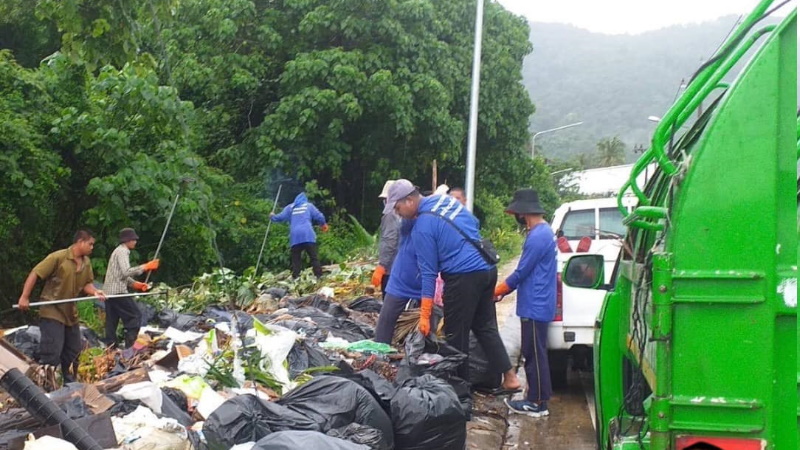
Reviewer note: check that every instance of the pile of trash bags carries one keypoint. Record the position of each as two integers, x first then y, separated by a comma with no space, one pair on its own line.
305,375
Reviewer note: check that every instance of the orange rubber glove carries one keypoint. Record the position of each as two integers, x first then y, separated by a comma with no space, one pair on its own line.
324,228
501,290
425,310
139,286
377,275
151,265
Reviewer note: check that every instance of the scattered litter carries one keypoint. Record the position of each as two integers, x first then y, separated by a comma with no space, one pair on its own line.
48,443
284,372
181,337
327,292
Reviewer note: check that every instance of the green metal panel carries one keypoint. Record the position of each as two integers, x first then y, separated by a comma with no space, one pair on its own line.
703,304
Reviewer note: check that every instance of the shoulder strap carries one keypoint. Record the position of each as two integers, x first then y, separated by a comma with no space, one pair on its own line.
460,231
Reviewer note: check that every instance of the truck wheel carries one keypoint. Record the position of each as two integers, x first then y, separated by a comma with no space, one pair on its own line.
559,361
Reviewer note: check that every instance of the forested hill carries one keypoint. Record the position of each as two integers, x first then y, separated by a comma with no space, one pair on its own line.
610,82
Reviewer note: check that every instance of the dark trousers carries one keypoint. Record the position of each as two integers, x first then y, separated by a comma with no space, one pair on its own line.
384,283
297,258
60,344
390,312
469,305
537,367
126,310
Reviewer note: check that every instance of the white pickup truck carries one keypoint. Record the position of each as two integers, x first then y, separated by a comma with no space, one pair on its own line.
587,226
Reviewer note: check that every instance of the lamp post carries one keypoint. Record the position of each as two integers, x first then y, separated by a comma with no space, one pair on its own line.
469,184
533,141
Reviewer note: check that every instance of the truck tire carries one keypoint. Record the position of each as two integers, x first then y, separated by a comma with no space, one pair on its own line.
559,361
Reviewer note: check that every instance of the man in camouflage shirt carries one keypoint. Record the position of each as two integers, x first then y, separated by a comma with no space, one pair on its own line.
66,274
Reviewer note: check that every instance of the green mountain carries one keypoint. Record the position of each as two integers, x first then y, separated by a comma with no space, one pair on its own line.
610,82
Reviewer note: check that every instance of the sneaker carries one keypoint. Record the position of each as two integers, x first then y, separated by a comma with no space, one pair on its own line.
527,408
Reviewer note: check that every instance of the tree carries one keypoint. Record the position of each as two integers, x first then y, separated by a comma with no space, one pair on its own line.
610,152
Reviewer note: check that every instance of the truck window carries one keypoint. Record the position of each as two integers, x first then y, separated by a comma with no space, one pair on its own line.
611,221
579,223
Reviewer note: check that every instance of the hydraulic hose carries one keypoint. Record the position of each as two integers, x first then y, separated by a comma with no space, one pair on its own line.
41,407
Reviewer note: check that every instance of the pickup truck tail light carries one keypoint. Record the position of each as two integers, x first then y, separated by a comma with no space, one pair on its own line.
710,443
563,245
559,300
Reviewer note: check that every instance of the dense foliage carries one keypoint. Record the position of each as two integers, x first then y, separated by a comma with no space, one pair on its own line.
111,109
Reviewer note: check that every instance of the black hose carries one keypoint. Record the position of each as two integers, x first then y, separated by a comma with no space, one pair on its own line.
41,407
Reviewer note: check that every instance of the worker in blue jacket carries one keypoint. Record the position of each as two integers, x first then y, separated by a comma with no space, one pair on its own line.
469,280
404,285
302,216
535,283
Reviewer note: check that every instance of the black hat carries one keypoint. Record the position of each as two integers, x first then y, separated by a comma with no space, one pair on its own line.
525,201
127,234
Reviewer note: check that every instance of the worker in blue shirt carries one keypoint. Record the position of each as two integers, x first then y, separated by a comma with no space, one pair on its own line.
301,216
535,283
404,285
440,245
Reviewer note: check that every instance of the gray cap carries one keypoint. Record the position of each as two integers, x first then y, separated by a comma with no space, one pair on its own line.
399,190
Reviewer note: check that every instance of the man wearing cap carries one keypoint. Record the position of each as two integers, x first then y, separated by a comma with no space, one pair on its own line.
118,279
388,245
469,279
66,273
535,282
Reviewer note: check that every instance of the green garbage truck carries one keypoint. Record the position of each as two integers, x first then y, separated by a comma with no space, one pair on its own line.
696,342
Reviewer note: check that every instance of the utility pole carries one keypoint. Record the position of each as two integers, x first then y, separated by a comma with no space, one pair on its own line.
469,185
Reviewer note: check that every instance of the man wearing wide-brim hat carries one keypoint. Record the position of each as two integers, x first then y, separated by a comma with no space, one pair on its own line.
535,283
118,279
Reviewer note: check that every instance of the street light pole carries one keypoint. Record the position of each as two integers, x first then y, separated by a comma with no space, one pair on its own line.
469,185
533,141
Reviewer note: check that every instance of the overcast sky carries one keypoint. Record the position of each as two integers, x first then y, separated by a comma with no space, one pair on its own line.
626,16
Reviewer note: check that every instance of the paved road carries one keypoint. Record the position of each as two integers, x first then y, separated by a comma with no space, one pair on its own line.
569,426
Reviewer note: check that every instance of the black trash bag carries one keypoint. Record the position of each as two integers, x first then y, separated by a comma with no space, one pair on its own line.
366,304
302,356
196,440
419,354
75,408
276,292
174,411
178,397
26,341
70,399
148,313
122,407
247,418
426,414
360,434
481,376
166,318
244,321
183,322
334,402
306,440
327,323
302,326
380,388
90,339
321,303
